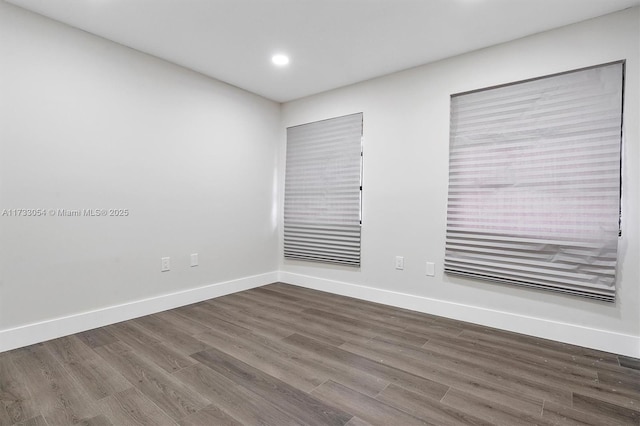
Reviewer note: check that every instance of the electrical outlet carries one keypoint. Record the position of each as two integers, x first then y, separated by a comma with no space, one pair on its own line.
194,259
166,264
399,262
431,269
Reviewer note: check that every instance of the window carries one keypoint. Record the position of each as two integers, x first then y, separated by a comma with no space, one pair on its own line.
534,182
322,196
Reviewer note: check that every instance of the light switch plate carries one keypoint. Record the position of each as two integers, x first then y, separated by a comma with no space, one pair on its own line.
399,262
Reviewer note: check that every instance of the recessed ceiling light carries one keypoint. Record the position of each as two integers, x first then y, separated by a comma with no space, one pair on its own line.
280,60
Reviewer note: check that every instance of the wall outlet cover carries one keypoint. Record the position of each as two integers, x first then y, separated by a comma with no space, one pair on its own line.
431,269
166,264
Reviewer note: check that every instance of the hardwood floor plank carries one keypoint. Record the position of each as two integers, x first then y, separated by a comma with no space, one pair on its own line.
562,415
312,325
390,332
96,337
623,415
304,303
165,330
317,299
404,337
618,395
4,416
558,377
527,360
210,415
275,363
208,315
59,399
96,378
346,332
535,342
287,322
357,324
425,326
131,407
70,350
425,408
185,324
307,294
99,420
16,403
34,421
7,397
491,411
555,373
476,366
434,330
188,308
364,407
319,326
417,362
389,313
168,393
240,403
267,293
400,377
284,361
245,301
149,346
269,300
621,379
357,421
295,402
628,362
254,299
553,350
25,350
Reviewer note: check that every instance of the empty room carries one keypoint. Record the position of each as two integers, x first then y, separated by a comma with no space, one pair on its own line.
319,212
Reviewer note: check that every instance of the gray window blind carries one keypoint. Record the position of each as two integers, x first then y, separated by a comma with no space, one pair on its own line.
534,182
322,191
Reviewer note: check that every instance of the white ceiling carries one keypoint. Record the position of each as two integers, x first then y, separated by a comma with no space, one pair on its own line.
331,43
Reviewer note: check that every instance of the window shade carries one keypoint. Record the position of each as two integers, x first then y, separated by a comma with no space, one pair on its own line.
322,191
534,182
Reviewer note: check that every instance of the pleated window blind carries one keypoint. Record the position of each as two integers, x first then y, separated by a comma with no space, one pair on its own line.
322,214
534,182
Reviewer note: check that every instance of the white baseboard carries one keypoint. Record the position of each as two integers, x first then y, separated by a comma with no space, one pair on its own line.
50,329
29,334
603,340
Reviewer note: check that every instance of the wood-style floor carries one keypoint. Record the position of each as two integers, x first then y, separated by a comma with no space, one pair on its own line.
284,355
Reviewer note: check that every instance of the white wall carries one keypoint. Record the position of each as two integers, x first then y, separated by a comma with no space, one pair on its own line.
406,119
86,123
